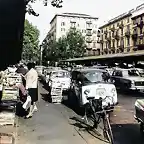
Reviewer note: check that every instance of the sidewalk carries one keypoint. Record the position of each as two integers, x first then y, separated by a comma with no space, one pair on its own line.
48,126
51,125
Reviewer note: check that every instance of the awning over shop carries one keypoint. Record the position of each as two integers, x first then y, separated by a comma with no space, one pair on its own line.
109,56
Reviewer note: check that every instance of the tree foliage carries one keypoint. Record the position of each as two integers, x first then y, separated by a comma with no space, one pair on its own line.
31,42
30,10
70,46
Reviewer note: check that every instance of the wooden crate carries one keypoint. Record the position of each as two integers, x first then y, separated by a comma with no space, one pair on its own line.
56,99
10,94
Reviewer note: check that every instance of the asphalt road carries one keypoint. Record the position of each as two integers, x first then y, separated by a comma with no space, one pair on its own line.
125,127
58,124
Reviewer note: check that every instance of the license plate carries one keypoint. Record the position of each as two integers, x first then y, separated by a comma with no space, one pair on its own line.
100,92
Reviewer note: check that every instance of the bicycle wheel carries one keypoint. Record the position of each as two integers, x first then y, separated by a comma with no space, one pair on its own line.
107,131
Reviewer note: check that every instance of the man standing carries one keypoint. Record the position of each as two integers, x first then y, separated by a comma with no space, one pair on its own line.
32,86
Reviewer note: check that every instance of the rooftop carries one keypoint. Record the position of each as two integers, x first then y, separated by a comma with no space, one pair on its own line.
79,15
121,16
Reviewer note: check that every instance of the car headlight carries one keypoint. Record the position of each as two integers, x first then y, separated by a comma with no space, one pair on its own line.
139,106
113,90
86,92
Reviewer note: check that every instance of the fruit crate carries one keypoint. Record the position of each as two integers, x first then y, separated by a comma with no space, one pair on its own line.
10,94
56,99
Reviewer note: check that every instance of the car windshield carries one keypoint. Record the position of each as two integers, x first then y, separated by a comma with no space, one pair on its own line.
61,74
133,73
93,76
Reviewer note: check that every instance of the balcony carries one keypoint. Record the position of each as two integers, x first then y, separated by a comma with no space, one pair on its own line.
127,33
106,50
117,37
113,49
101,41
105,32
89,27
121,48
108,38
121,25
89,48
89,33
112,29
98,34
88,40
135,48
140,23
98,41
134,34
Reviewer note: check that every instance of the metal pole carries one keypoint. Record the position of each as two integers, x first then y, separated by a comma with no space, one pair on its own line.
41,52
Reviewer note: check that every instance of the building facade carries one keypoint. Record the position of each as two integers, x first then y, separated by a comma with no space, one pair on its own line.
123,34
87,24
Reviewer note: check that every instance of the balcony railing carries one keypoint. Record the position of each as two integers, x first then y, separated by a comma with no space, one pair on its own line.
89,33
117,37
105,32
121,25
140,23
134,34
109,38
89,40
113,28
121,48
127,33
98,34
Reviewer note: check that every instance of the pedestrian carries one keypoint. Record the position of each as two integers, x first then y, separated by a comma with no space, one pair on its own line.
32,87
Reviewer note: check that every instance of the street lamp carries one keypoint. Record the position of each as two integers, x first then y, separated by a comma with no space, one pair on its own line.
41,53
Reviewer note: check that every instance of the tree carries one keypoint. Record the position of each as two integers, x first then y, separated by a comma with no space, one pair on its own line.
75,43
29,9
70,46
30,42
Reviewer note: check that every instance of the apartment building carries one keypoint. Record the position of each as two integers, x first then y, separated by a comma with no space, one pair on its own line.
61,23
124,33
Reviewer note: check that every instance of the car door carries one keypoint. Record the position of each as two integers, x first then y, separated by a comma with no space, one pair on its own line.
116,77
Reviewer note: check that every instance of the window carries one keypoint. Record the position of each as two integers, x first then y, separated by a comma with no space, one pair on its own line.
62,29
113,43
94,44
94,38
63,24
128,20
118,73
73,24
94,31
128,41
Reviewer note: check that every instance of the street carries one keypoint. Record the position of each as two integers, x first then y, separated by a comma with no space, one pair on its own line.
57,124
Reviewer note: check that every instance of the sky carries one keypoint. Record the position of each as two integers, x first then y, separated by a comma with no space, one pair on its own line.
103,9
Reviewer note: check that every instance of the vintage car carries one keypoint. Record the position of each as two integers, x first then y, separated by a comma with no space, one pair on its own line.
90,83
58,81
127,79
39,69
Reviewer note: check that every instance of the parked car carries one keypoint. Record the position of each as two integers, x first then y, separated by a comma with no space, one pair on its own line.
127,79
39,69
58,80
90,83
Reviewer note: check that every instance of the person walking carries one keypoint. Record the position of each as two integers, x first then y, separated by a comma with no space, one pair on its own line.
32,87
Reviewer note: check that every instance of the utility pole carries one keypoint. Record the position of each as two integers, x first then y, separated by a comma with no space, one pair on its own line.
41,53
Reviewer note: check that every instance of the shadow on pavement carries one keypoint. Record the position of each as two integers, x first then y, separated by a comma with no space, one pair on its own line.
131,93
72,103
127,134
83,126
46,97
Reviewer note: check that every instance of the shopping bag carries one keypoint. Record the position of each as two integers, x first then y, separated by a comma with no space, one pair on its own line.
27,104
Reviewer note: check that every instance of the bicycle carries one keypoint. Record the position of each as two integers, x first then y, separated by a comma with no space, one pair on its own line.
99,113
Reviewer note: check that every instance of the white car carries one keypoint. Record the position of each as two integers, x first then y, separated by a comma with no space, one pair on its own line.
90,83
58,81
